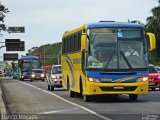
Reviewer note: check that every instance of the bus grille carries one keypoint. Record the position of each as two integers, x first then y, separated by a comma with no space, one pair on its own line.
124,89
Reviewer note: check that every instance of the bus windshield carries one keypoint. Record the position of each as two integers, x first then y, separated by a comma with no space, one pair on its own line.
117,48
31,64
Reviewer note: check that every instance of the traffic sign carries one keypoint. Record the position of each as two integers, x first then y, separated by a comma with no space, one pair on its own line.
12,42
10,56
16,29
19,48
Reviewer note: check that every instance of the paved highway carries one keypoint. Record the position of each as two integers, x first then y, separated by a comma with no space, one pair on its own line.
34,98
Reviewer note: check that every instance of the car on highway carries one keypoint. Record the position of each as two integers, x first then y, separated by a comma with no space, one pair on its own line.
154,77
54,78
7,74
158,68
15,74
37,74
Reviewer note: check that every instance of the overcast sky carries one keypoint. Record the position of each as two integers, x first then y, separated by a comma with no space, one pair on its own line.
45,21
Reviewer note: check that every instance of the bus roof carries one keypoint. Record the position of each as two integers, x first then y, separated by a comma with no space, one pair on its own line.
105,24
29,58
114,24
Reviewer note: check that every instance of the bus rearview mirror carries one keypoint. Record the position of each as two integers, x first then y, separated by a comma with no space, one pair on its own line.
84,42
152,41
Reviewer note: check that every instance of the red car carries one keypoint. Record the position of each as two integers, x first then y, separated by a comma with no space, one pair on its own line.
154,78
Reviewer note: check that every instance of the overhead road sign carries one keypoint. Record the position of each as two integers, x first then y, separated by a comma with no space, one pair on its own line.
16,29
12,42
19,48
10,56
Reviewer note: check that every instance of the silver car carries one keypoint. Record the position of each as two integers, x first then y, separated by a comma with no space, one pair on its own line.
37,74
54,78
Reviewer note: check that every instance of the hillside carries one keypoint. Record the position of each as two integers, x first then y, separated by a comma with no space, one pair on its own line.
49,53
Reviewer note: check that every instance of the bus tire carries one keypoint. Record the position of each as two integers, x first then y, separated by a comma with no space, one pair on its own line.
68,84
80,89
133,97
72,94
52,88
86,98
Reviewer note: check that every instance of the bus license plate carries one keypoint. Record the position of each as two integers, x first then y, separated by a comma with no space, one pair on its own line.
118,87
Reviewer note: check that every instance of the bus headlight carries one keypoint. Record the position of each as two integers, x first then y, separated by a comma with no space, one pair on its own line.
158,76
94,80
143,79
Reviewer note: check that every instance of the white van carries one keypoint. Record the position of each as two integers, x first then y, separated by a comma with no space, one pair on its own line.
54,79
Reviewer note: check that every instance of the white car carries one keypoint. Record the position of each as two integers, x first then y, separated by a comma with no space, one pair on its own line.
54,79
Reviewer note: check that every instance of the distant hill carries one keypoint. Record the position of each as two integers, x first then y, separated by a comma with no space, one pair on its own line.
49,53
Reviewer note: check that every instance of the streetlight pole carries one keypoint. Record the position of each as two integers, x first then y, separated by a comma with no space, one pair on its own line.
44,56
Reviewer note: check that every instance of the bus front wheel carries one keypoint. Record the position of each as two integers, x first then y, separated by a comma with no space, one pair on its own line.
72,94
133,97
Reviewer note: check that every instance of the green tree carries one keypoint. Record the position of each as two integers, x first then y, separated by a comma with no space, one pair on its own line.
153,25
49,53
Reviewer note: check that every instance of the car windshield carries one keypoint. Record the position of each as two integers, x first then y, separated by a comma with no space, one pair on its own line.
56,70
152,69
37,71
108,47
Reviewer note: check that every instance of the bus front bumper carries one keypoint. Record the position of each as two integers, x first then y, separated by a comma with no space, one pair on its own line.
116,88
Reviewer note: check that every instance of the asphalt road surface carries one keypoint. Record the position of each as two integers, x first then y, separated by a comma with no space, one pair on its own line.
33,98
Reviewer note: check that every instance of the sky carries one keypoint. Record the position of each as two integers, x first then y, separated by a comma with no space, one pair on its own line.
45,21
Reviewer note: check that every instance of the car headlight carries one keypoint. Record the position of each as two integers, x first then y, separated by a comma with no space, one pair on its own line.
94,80
53,76
33,75
142,79
42,75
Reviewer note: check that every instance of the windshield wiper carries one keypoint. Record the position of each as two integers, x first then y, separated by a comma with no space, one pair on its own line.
109,60
129,65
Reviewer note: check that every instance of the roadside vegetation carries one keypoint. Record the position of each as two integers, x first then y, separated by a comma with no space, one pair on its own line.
50,52
153,25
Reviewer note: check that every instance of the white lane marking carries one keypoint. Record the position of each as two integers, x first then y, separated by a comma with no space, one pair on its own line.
72,103
58,111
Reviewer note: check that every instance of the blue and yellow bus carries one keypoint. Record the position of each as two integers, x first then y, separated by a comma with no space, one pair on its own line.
94,59
26,64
